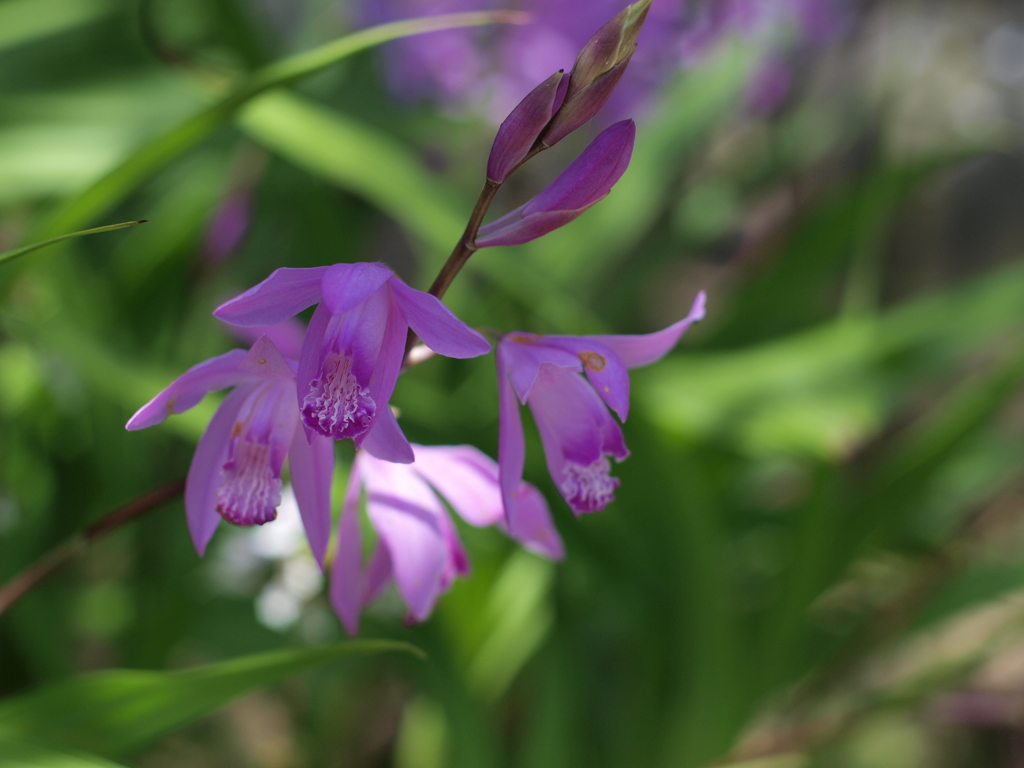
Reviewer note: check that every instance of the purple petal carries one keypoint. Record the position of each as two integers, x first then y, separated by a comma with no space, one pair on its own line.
188,389
466,477
525,352
511,442
265,361
287,336
406,515
577,432
284,294
458,561
533,527
590,176
515,229
309,358
378,573
390,440
204,474
346,572
603,367
435,324
346,285
642,350
386,441
312,469
519,132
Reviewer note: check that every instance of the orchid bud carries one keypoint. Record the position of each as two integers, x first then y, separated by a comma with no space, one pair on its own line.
588,179
519,132
598,69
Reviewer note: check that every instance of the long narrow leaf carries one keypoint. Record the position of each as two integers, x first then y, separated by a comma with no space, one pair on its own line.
15,253
161,150
21,755
112,713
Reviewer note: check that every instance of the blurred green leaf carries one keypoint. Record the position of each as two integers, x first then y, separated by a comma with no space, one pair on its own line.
115,712
358,159
26,249
15,754
22,21
160,151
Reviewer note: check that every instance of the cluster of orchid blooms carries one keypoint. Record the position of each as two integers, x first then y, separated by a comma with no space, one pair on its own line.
293,400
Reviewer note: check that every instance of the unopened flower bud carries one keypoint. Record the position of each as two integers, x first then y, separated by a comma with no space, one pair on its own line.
519,132
588,179
598,69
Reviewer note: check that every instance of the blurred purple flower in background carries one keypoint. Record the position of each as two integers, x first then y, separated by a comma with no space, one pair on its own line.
418,546
576,429
236,469
498,66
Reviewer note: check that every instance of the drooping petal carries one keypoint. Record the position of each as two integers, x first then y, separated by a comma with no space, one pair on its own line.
265,361
644,349
312,469
204,473
578,434
287,336
533,527
435,324
284,294
458,561
346,285
406,514
511,441
603,367
188,389
466,477
519,131
346,572
386,441
378,573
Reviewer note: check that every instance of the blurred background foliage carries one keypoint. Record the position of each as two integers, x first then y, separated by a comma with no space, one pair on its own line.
815,557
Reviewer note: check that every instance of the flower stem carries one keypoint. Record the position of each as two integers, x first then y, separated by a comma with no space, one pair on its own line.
21,584
466,246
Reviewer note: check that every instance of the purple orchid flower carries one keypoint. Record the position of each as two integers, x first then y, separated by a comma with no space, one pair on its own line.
576,429
353,350
236,469
583,184
418,546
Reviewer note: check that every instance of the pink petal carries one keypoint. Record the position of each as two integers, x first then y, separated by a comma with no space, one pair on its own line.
466,477
533,527
287,336
517,227
435,324
407,514
378,574
387,366
310,357
188,389
312,469
346,285
519,131
204,474
511,442
386,441
645,349
524,353
284,294
265,361
603,367
346,572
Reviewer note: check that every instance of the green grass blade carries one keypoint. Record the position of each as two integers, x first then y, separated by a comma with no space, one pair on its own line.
15,253
18,754
115,712
161,150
